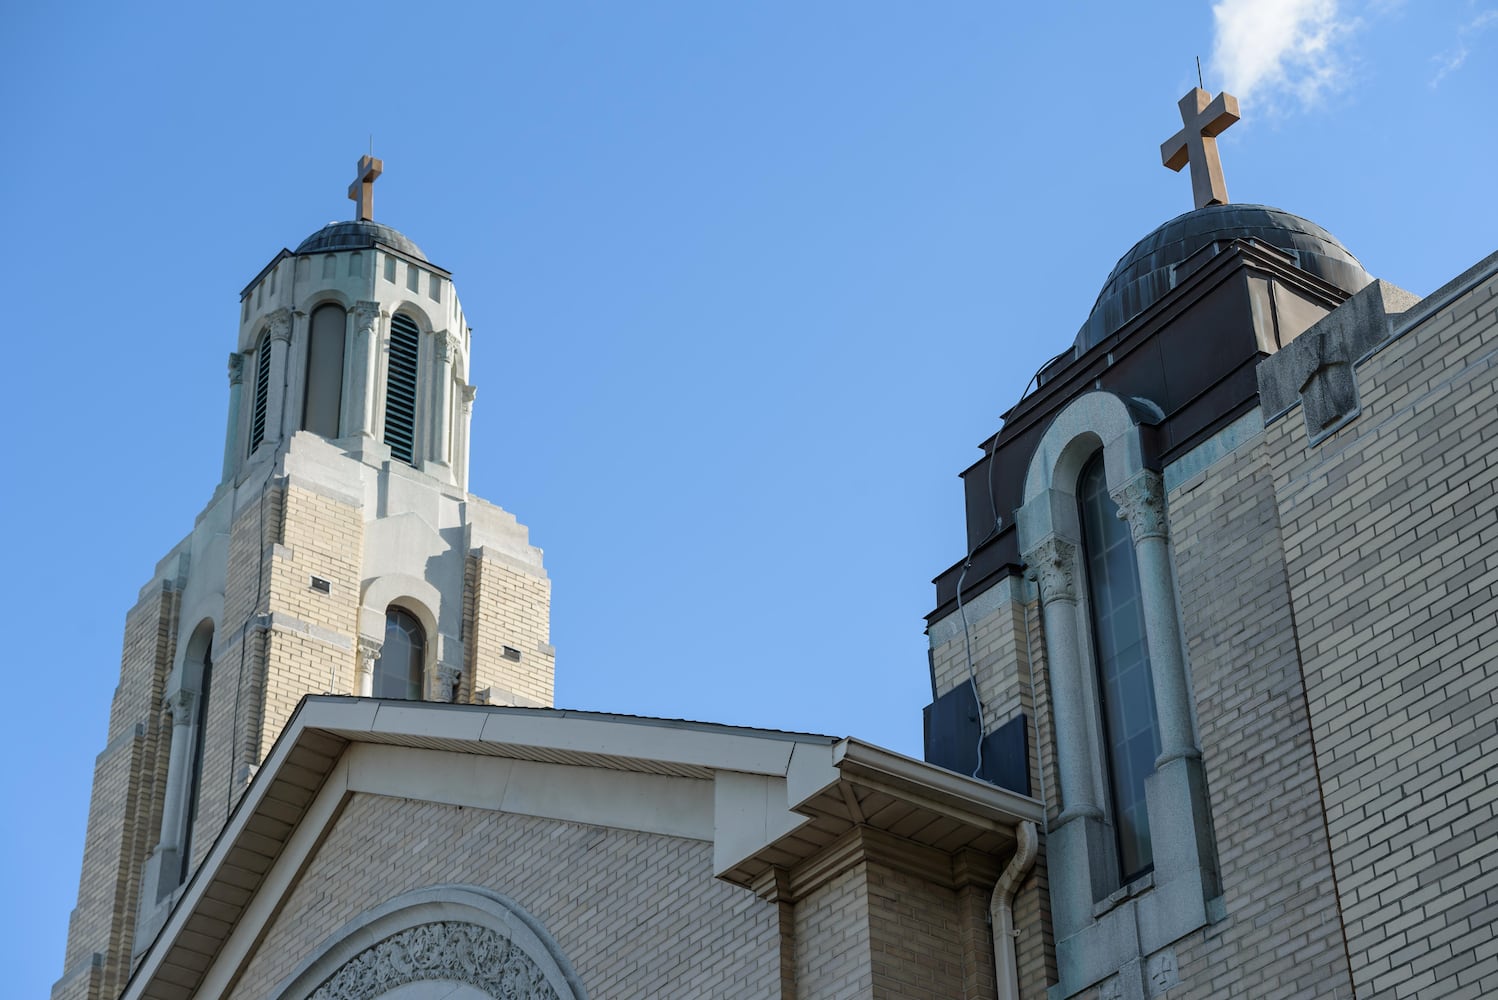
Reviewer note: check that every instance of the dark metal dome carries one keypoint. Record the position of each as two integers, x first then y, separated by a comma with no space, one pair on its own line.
1157,262
357,235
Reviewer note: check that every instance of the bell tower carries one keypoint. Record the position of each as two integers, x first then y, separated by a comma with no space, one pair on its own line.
340,553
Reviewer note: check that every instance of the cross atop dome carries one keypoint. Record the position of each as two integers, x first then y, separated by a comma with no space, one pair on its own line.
1204,119
362,190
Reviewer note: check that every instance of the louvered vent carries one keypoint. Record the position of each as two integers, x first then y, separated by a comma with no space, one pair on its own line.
262,393
400,390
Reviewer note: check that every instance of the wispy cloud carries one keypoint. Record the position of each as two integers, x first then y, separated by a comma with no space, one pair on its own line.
1451,60
1271,52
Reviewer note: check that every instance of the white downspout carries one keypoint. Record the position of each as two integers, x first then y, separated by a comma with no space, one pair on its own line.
1001,912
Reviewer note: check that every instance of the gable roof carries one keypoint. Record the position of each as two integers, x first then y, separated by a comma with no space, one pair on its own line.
793,797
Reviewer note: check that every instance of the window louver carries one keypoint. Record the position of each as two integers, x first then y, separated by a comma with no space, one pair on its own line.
262,393
400,390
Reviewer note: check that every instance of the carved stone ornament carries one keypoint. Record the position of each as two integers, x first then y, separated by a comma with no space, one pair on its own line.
450,951
1054,565
1162,972
236,369
1141,502
366,317
369,651
179,703
280,324
469,391
448,677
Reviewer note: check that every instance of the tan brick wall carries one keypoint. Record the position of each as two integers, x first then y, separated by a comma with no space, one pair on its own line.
125,809
637,915
1390,527
1281,935
507,606
916,935
833,953
1003,653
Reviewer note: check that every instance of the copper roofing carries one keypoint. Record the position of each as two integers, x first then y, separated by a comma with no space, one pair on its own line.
357,235
1157,263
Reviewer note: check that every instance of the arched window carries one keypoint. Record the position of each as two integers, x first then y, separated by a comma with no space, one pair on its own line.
1125,689
398,671
195,773
324,396
262,392
400,389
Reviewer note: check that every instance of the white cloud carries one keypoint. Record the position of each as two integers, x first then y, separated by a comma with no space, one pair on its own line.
1451,60
1271,51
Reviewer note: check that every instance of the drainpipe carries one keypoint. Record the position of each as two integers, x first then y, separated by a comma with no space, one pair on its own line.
1001,911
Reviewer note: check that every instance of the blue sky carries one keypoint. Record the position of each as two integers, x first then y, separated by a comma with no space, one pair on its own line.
749,284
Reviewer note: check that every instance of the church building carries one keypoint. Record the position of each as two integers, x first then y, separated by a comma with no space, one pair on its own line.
1212,696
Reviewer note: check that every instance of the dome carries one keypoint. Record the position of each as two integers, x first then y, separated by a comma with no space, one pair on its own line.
1154,266
358,235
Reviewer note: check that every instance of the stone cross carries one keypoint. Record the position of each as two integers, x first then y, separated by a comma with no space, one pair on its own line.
1204,119
362,190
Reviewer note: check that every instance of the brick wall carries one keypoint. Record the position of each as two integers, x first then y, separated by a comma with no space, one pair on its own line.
1281,931
1391,533
506,605
637,915
125,807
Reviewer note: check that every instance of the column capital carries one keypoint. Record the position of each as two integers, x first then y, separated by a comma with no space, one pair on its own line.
280,324
236,369
1053,563
448,676
1141,502
469,391
369,651
366,314
179,703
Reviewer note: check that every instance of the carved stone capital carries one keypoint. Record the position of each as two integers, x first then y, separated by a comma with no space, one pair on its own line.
236,369
1053,563
179,704
450,951
448,676
280,324
369,651
469,391
366,317
1141,502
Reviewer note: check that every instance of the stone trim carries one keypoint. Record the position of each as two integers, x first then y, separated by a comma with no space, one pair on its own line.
455,933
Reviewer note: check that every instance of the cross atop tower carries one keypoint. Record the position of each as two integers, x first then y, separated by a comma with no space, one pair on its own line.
362,190
1204,119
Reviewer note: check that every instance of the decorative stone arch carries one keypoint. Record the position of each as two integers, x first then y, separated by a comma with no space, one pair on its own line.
193,645
468,940
1091,911
424,601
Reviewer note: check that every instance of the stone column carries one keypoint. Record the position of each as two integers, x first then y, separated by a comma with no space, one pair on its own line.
443,346
1141,502
231,434
1054,562
174,807
1079,836
464,424
362,365
369,651
275,398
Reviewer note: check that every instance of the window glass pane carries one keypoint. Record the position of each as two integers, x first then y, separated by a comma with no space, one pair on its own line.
398,671
324,394
1128,701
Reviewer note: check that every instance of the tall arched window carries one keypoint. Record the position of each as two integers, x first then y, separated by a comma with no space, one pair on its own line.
195,773
324,396
262,392
1125,688
400,389
398,671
